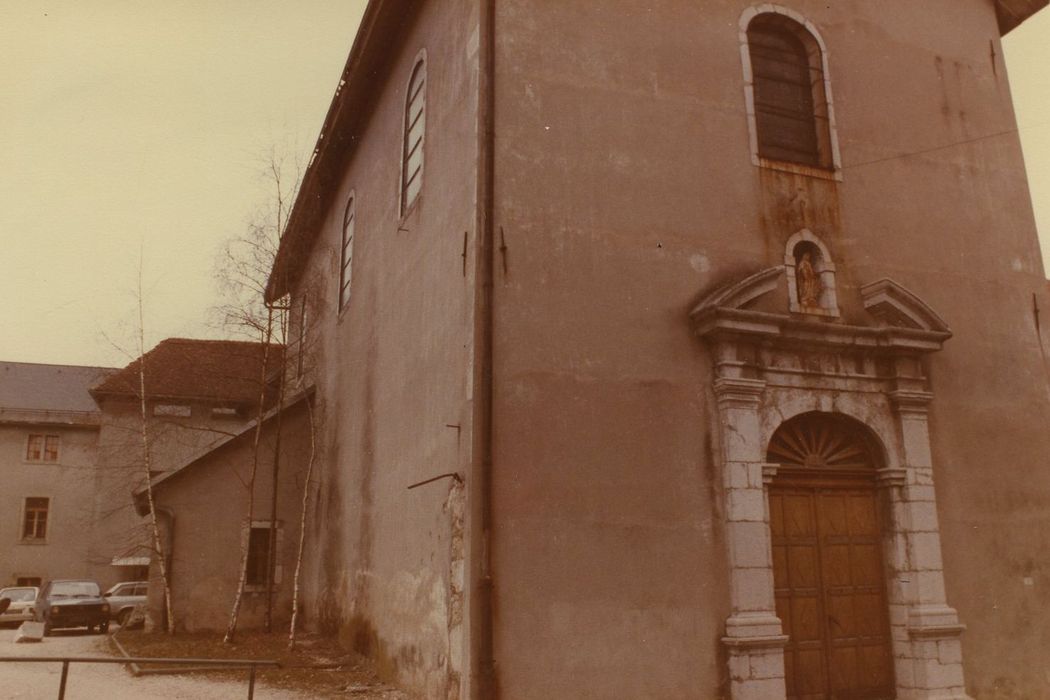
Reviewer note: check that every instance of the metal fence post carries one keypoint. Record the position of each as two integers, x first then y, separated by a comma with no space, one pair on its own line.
251,682
62,683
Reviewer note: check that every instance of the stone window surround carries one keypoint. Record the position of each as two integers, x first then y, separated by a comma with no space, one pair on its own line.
835,173
756,389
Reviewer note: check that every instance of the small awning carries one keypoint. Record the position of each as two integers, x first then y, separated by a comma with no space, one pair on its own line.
130,561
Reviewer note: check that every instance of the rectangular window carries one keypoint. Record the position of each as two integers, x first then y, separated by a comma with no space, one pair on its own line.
171,409
225,412
34,527
42,448
258,551
28,581
301,355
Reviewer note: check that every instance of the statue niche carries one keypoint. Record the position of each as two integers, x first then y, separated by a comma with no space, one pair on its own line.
810,276
807,281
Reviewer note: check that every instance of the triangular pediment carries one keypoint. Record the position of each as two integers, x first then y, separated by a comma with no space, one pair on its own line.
893,305
738,295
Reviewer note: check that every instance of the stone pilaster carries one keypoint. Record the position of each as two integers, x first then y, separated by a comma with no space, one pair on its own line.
926,629
754,636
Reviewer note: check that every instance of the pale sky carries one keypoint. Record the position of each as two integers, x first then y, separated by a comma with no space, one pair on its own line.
139,125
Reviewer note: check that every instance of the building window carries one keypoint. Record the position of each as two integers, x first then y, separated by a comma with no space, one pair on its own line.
42,448
415,126
28,581
300,359
346,259
34,526
258,554
172,409
789,93
226,412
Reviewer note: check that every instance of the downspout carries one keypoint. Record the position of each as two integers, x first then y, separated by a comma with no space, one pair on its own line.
482,663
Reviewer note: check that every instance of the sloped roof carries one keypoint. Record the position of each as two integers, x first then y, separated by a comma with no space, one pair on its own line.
39,387
1013,12
182,368
163,480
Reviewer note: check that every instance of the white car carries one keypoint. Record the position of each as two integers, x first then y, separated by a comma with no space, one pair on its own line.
21,608
123,597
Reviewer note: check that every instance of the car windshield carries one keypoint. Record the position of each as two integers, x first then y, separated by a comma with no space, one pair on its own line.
18,595
74,589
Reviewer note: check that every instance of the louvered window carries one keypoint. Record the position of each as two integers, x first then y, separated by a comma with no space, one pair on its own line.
347,256
415,126
790,104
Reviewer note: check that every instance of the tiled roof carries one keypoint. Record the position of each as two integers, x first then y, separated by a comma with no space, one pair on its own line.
181,368
36,387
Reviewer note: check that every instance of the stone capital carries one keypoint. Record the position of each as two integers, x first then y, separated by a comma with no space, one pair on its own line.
910,402
892,477
737,392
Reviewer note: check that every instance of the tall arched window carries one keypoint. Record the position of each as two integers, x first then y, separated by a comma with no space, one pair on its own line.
347,256
415,125
790,100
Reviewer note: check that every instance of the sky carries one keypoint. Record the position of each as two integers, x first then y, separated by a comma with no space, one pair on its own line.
138,130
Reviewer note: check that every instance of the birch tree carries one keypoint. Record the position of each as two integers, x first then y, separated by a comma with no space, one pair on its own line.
147,464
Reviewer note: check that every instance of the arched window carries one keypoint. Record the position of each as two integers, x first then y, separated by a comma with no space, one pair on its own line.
791,108
347,256
415,126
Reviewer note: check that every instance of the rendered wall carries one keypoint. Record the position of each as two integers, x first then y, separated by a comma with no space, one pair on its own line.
625,188
392,369
210,508
69,486
119,530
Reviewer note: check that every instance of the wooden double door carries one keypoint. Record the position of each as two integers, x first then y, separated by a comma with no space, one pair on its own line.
830,585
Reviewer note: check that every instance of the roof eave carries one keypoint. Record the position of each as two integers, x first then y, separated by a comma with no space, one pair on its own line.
380,20
1011,13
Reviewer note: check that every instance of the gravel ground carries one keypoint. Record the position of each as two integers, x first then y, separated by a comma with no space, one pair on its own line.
39,681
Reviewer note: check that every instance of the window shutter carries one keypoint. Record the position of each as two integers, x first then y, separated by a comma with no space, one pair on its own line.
415,128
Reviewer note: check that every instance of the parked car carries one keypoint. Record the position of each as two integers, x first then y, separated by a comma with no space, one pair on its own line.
21,608
123,598
71,603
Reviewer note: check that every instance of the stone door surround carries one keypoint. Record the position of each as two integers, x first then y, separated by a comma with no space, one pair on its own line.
769,367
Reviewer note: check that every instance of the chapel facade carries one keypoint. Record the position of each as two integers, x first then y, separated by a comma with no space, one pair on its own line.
685,350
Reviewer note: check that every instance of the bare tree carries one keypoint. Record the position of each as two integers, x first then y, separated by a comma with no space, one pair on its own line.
304,509
231,628
147,466
243,273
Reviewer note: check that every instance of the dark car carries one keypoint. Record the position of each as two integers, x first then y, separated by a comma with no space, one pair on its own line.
71,603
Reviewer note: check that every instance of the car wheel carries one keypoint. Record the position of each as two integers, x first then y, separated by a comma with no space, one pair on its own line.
122,618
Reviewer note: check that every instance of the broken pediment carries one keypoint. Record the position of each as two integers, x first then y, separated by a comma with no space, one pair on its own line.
737,295
903,323
893,305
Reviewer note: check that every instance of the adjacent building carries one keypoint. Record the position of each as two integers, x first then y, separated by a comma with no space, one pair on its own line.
678,350
197,394
49,434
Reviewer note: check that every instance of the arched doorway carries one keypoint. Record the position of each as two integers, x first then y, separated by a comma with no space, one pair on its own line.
828,571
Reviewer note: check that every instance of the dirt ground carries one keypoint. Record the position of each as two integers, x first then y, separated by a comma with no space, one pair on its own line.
344,678
318,665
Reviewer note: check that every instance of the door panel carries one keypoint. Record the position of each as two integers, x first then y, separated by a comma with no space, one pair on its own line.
829,584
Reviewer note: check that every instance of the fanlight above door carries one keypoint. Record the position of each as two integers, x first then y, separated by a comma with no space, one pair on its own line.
822,441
